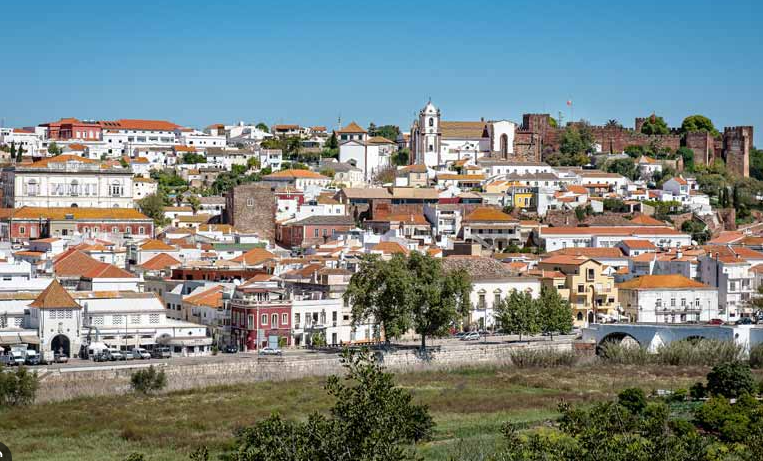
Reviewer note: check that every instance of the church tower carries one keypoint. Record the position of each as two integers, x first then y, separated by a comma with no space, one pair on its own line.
428,142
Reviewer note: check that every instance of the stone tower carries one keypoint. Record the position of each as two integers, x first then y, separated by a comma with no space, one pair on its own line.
737,143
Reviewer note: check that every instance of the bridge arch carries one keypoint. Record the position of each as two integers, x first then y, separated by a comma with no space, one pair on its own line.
619,337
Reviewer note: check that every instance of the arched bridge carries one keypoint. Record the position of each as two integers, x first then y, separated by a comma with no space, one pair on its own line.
651,336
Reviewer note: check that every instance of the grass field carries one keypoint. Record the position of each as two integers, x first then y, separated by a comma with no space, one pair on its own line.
469,407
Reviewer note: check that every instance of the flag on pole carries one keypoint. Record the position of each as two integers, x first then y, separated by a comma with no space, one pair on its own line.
569,102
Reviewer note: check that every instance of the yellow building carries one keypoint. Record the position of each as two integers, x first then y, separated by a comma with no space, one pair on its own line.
522,197
585,283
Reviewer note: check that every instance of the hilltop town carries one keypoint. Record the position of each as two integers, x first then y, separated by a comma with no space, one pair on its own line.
246,236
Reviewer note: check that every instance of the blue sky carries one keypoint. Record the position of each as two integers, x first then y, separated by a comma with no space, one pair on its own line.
197,63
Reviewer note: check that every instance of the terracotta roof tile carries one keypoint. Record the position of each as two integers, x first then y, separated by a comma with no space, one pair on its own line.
55,296
652,282
488,214
160,262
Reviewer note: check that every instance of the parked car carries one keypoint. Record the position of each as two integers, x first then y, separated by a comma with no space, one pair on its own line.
460,334
17,357
230,349
32,357
715,322
60,358
6,361
161,353
745,321
116,355
102,356
140,354
270,351
471,336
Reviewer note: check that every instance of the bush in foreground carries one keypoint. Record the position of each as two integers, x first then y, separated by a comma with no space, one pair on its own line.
731,380
148,380
703,352
18,387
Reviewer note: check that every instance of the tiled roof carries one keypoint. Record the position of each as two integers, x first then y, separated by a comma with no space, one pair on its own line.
461,177
80,213
478,267
325,220
652,282
212,297
254,257
63,158
603,230
389,248
366,193
73,263
645,220
156,245
379,140
590,252
636,244
727,237
293,174
488,214
566,259
107,271
679,180
415,193
138,124
352,128
160,262
55,297
468,130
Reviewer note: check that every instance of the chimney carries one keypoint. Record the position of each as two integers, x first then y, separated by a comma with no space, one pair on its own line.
679,253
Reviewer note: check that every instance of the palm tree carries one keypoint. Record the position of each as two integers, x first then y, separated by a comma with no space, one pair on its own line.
612,123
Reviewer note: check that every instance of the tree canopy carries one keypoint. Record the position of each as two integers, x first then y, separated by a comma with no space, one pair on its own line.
699,123
520,314
655,125
624,166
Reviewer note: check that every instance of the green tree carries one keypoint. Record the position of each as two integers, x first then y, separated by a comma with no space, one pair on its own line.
194,202
756,164
612,123
379,291
697,229
390,132
623,166
699,123
554,312
253,163
148,380
18,387
402,157
54,149
332,142
518,313
262,127
328,172
153,207
437,299
193,158
633,399
552,122
688,157
20,154
238,169
731,380
13,151
635,151
655,125
372,419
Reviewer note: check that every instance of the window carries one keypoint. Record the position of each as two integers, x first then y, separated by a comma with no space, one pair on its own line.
250,321
135,319
696,302
116,319
296,319
672,302
250,202
431,121
263,319
32,188
315,232
683,302
481,304
496,300
153,318
284,319
116,189
274,320
115,230
22,230
581,288
590,274
141,230
96,320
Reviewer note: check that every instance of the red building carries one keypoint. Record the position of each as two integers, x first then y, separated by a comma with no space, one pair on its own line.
71,128
29,223
260,305
312,230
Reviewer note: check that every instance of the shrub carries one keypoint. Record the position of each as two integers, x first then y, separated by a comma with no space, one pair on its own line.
135,457
18,387
148,380
756,356
633,399
731,380
698,391
615,352
542,358
708,352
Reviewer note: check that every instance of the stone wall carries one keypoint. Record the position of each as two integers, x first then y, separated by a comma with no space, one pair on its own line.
65,384
737,143
252,208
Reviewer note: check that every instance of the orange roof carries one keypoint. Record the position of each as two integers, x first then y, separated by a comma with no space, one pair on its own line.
284,127
254,257
29,253
488,214
138,124
160,262
73,263
657,282
293,174
577,189
639,244
107,271
212,297
460,177
77,146
727,237
603,230
184,148
590,252
644,220
62,213
55,297
565,259
389,248
379,140
679,180
156,245
63,158
352,128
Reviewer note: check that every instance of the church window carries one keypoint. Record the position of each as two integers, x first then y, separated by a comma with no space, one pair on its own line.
431,121
431,148
504,145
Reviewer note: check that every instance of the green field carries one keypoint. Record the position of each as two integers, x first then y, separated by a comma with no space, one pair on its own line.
468,405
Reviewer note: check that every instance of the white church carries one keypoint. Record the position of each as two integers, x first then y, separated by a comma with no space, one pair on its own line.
435,142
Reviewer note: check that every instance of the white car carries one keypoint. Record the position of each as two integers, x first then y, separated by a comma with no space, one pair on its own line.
140,353
116,355
270,351
472,336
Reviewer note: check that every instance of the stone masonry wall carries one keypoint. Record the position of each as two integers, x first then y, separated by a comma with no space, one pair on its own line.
60,384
